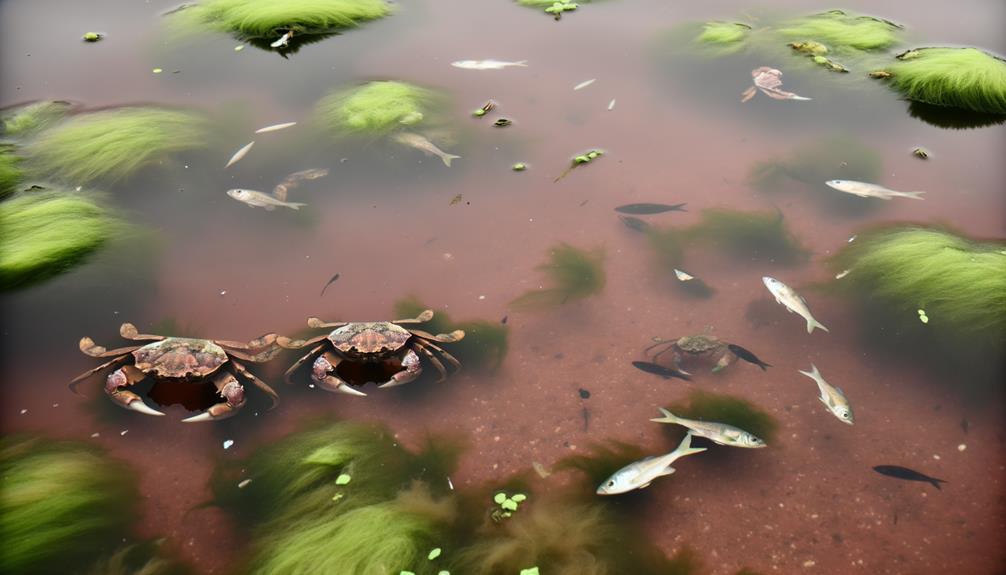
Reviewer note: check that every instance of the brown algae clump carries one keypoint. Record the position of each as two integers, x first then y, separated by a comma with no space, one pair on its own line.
269,19
965,78
575,273
112,144
61,504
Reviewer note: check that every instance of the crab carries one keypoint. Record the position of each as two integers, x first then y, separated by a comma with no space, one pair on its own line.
182,360
371,349
703,348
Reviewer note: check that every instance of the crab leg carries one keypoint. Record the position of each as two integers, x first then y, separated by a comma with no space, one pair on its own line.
658,344
424,317
452,337
287,343
233,394
92,349
259,343
307,357
434,360
87,374
323,374
314,322
443,352
242,370
118,381
128,331
412,366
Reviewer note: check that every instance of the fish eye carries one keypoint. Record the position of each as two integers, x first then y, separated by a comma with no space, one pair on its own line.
611,483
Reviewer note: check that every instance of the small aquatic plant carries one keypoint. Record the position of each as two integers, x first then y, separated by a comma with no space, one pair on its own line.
26,120
46,233
376,107
575,273
723,33
748,235
268,19
112,144
61,504
965,78
484,346
959,282
727,409
837,29
10,171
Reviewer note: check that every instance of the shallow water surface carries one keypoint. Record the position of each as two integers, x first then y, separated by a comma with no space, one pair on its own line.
385,219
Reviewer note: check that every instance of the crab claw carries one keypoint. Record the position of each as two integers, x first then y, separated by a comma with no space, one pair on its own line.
412,370
215,413
141,407
114,388
234,394
323,366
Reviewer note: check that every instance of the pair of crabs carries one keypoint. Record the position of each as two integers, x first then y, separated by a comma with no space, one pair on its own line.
360,349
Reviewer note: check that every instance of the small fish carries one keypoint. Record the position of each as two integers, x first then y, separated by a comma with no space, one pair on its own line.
584,84
769,81
240,154
865,190
832,397
420,143
487,64
275,127
611,105
682,276
748,356
330,282
260,200
455,200
720,433
283,41
639,474
657,369
649,209
635,223
791,301
899,472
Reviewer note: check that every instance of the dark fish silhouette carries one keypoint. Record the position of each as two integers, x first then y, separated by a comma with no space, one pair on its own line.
330,282
648,209
634,223
748,356
656,369
908,474
503,321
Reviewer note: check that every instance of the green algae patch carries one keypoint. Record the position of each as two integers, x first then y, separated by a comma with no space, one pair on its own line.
147,558
959,282
485,343
965,78
46,233
378,108
723,32
112,144
727,409
269,19
748,235
61,504
575,274
837,29
10,170
26,120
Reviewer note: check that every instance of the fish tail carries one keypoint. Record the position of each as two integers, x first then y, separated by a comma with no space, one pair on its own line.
447,159
813,373
812,323
668,417
521,63
685,447
936,482
913,195
294,205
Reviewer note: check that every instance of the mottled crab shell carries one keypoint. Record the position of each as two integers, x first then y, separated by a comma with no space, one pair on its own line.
180,357
369,338
699,343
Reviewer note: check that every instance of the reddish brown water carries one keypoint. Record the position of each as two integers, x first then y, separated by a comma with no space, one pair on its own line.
810,503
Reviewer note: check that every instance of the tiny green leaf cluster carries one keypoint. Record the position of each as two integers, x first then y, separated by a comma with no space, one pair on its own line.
507,504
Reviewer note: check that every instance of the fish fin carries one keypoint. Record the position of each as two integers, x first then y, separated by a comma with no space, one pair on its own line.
812,323
668,417
913,195
795,97
645,485
666,471
447,159
294,205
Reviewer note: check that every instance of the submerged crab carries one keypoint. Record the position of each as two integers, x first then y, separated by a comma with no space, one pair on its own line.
703,348
181,360
382,351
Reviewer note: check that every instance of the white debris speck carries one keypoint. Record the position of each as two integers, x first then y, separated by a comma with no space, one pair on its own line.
95,434
852,239
223,292
809,563
228,443
611,105
448,256
24,411
123,432
450,484
842,274
311,385
961,447
584,84
55,405
482,297
936,457
244,483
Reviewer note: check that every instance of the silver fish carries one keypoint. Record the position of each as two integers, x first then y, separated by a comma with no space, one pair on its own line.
420,143
831,396
239,154
792,301
865,190
639,474
486,64
261,200
275,127
769,81
721,433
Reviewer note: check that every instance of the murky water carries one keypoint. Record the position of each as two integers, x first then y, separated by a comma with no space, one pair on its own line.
385,221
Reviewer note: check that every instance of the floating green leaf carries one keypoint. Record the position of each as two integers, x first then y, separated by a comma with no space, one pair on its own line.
434,553
343,479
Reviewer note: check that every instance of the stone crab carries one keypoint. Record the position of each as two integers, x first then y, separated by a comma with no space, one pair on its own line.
702,349
382,351
181,360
